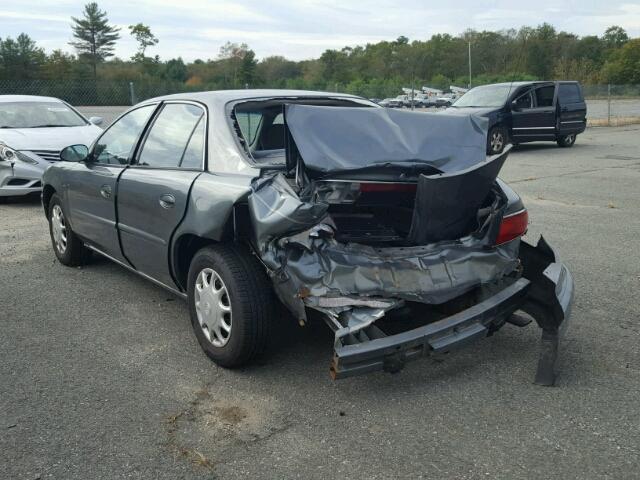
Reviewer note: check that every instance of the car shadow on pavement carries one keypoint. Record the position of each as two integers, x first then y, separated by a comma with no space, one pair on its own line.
31,199
531,147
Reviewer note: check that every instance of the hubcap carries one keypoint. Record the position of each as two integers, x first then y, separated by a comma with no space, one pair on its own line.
496,142
59,229
213,307
568,139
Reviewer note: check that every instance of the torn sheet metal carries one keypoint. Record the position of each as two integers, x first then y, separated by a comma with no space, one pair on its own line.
429,274
277,211
310,265
382,136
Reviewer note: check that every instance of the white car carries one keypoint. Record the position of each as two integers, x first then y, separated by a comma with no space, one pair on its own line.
33,130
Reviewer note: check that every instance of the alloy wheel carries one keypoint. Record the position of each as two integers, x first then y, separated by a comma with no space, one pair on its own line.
497,141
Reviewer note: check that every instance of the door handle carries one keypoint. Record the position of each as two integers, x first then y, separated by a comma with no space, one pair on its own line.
167,201
105,191
564,109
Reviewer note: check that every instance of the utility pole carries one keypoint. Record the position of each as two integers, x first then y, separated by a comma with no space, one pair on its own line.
469,63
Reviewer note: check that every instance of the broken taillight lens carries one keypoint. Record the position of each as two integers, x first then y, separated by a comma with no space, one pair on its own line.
388,187
512,226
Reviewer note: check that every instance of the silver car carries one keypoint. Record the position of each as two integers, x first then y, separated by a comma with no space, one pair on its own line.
33,130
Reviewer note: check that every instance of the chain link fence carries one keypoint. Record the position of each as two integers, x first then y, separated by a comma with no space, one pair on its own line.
89,92
608,105
612,105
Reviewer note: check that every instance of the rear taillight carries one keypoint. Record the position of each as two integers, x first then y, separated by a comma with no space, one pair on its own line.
512,226
388,187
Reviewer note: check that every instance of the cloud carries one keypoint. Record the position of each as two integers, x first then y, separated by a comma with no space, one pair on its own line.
305,28
17,15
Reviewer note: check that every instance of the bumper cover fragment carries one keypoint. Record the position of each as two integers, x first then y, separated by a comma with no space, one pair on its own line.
545,292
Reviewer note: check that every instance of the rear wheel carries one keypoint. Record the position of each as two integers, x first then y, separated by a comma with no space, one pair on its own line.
566,141
496,140
231,304
68,248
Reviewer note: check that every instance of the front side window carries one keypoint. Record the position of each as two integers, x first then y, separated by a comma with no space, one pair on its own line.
168,141
38,115
116,145
524,101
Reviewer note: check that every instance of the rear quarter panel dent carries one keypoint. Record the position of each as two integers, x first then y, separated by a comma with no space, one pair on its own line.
211,203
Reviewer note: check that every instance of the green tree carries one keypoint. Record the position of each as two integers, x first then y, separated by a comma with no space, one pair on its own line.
276,70
237,64
624,66
615,37
176,70
95,38
144,37
20,58
60,65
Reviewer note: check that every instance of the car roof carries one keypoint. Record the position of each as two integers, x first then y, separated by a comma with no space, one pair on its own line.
524,83
217,97
27,98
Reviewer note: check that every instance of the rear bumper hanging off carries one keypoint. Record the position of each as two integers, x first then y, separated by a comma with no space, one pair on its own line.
545,292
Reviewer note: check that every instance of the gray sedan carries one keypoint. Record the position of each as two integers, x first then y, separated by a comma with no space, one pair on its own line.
383,223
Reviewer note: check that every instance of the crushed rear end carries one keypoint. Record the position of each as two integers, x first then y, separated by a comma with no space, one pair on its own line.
394,227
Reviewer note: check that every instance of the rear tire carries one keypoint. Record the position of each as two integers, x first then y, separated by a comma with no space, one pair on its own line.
496,140
566,141
69,249
231,304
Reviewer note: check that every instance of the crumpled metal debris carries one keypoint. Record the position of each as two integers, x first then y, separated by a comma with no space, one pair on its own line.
310,268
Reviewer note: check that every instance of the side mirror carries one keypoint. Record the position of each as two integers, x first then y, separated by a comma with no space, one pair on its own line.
74,153
514,106
96,120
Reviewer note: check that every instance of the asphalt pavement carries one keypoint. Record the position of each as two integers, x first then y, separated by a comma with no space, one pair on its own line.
102,377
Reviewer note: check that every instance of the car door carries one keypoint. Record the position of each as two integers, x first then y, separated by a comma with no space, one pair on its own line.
572,107
531,121
544,98
92,184
153,192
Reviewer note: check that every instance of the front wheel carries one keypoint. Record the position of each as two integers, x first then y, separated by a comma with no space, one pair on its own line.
231,304
566,141
68,248
496,140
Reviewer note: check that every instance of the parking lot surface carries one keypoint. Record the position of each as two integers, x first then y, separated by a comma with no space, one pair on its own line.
101,376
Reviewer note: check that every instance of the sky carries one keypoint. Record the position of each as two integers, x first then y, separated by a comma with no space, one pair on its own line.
303,29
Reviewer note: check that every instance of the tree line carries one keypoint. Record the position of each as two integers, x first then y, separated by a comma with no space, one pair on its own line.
373,70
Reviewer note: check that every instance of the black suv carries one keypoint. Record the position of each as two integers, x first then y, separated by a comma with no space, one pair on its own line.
520,112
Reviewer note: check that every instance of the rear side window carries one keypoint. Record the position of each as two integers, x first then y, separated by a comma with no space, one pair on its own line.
570,93
194,153
544,96
170,136
249,123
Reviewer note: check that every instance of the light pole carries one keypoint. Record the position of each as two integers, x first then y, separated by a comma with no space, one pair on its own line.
469,63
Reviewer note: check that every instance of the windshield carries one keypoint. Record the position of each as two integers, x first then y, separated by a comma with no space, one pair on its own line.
38,114
485,96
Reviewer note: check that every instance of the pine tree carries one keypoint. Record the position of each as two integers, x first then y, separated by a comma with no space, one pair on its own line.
95,37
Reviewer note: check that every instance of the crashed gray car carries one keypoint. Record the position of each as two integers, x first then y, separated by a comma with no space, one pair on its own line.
392,226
